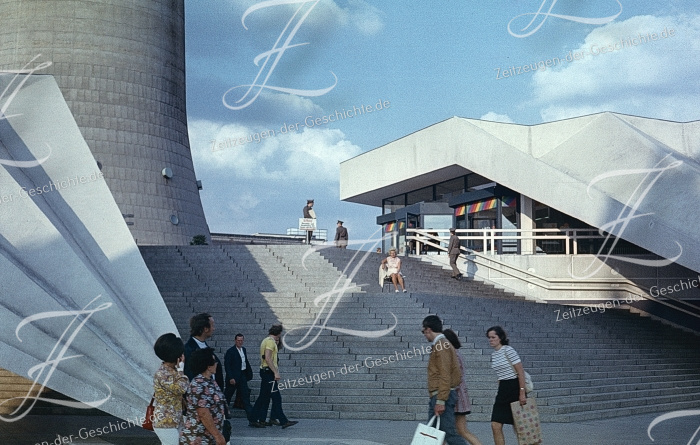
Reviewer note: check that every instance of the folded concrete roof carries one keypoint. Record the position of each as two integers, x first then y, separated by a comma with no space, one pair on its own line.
79,310
602,169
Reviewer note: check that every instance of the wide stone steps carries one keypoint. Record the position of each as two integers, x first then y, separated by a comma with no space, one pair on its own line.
420,277
588,367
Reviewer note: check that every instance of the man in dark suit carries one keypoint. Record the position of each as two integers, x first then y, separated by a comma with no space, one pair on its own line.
453,251
341,236
238,374
201,329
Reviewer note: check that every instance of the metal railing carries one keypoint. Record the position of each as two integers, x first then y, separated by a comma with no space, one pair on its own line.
491,262
550,241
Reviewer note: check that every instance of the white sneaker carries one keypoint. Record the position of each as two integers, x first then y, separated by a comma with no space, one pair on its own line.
397,291
404,291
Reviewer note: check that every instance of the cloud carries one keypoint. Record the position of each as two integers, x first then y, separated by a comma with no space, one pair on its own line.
326,15
241,205
363,16
655,78
312,155
495,117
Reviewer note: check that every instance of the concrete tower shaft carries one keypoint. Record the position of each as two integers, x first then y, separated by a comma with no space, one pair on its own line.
121,68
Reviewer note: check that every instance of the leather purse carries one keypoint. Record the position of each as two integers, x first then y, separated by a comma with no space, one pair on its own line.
148,421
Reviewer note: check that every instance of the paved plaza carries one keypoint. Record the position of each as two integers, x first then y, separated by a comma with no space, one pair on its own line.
44,430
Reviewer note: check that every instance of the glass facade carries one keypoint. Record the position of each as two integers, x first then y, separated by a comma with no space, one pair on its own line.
550,218
493,207
440,192
490,213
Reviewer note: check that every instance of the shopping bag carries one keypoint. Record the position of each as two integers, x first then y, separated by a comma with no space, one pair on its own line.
427,435
527,422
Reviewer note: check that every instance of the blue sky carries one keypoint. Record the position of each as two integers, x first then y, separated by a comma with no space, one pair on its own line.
429,61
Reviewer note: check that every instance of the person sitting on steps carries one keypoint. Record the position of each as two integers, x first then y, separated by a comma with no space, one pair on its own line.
392,264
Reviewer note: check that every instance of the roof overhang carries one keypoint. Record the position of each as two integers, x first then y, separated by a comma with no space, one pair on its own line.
605,169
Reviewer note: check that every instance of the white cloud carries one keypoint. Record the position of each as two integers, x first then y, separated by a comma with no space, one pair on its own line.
495,117
241,205
365,17
326,15
655,78
312,155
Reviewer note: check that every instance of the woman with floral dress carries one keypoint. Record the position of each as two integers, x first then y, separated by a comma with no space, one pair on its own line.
169,385
204,419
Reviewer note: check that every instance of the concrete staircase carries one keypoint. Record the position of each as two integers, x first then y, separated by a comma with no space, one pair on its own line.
420,277
592,366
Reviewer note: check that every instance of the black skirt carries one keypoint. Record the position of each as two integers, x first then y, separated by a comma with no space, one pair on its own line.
508,392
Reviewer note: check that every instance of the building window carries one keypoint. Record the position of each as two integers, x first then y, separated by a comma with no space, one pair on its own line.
446,190
390,205
421,195
474,181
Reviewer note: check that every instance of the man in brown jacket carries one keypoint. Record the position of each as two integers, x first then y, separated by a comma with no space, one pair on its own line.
444,376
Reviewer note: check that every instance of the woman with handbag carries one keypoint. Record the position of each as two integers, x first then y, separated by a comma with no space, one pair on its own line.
169,385
204,420
511,382
463,405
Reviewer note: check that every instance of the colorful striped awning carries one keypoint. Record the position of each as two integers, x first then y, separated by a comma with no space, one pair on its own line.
486,204
389,227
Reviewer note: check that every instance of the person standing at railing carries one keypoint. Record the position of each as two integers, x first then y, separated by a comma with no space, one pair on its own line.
453,250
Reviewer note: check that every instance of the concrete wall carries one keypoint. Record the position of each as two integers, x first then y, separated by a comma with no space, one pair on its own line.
578,271
121,69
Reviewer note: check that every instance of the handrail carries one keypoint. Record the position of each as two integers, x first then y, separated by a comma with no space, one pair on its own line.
488,236
544,282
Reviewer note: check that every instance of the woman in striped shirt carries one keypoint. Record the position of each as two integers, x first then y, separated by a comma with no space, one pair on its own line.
511,381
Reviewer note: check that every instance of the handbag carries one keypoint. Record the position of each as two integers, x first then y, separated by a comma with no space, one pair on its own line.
226,430
529,386
527,422
427,435
148,420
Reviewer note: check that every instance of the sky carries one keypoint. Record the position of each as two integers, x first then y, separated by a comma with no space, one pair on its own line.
263,78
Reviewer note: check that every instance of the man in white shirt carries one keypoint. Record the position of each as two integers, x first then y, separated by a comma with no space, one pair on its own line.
238,374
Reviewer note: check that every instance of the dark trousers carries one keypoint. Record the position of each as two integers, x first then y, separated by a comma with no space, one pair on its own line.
242,387
453,264
269,391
